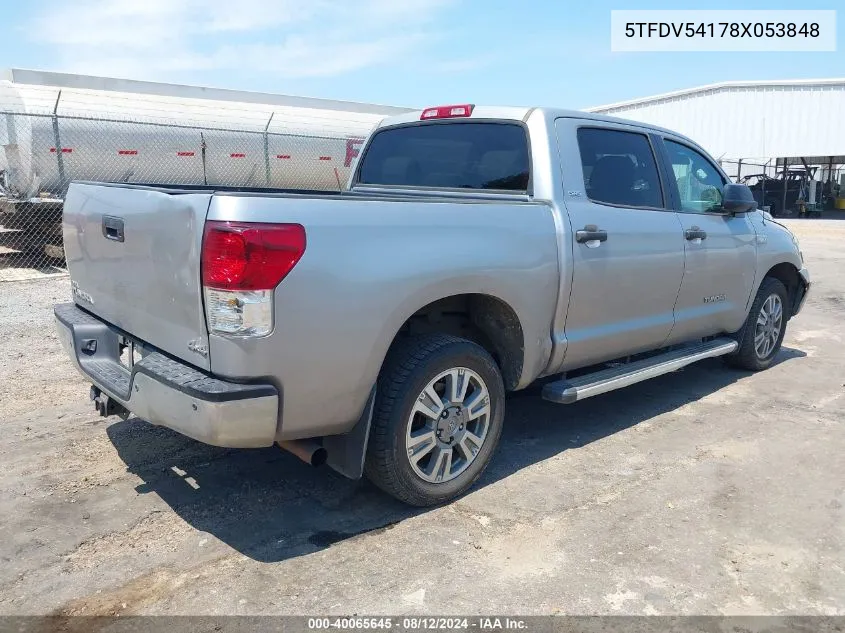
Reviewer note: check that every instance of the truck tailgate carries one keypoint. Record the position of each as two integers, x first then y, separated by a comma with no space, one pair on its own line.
133,254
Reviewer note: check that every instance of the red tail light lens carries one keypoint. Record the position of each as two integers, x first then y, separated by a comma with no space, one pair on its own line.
249,255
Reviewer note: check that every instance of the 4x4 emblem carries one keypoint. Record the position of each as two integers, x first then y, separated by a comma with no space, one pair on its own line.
198,347
78,292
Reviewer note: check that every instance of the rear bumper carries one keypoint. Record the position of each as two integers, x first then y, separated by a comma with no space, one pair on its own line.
166,392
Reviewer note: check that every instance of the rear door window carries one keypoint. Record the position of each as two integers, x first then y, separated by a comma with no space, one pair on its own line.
465,155
619,168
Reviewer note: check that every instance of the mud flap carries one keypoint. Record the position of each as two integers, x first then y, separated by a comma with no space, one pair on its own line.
346,452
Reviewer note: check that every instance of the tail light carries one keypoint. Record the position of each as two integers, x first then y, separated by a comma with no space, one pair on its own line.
242,263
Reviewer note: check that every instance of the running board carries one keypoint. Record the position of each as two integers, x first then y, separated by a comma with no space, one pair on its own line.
575,389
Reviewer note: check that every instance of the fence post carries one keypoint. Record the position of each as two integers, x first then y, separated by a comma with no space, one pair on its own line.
13,156
267,150
203,147
783,207
60,161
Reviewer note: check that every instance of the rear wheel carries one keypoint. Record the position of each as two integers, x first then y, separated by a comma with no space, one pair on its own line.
764,329
438,418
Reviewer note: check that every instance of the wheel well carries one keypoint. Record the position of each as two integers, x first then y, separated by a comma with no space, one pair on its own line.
787,274
485,320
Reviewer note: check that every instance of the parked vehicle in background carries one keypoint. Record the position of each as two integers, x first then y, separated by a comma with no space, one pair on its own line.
55,128
768,191
477,250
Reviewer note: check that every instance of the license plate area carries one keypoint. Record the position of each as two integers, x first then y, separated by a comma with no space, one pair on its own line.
130,352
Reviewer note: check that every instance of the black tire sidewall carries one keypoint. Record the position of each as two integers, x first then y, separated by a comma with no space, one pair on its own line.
457,354
747,356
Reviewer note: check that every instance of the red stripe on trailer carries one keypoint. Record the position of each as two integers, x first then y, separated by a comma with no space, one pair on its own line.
185,153
237,155
65,150
325,157
283,156
127,152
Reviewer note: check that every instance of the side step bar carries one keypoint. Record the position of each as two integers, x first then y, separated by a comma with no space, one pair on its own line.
575,389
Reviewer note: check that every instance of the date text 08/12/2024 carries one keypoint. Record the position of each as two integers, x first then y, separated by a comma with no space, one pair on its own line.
417,623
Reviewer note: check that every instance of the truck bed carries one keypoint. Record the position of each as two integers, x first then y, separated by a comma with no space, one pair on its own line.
358,193
372,260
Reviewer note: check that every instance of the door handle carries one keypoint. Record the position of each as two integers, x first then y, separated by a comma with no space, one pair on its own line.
113,228
590,233
695,233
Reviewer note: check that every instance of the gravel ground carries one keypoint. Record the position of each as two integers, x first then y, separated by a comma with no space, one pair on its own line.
707,491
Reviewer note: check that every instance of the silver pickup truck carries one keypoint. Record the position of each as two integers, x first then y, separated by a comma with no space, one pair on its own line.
476,250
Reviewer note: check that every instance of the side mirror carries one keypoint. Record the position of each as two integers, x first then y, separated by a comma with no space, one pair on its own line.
737,199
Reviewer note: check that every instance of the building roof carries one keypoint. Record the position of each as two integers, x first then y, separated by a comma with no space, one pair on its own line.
719,87
89,82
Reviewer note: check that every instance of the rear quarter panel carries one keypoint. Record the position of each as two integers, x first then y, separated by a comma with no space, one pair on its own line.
368,266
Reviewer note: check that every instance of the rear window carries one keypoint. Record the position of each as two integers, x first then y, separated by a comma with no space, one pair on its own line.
449,155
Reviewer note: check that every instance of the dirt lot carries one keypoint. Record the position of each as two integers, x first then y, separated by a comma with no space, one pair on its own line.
706,491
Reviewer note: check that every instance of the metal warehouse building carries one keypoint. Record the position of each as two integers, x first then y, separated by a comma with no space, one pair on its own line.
794,130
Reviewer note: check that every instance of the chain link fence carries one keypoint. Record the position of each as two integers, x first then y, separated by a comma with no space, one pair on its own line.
42,153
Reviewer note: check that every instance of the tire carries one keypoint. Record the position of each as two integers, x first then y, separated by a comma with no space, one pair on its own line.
413,365
751,354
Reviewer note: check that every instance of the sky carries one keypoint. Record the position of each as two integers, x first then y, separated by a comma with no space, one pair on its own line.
394,52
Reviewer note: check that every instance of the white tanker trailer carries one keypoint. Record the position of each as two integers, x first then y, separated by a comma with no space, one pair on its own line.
56,128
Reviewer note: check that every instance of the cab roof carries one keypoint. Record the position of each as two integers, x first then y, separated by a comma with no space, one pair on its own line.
519,113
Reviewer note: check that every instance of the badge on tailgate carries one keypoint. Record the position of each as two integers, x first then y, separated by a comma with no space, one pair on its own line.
198,347
80,294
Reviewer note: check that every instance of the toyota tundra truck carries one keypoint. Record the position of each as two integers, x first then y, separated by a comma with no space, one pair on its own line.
475,251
